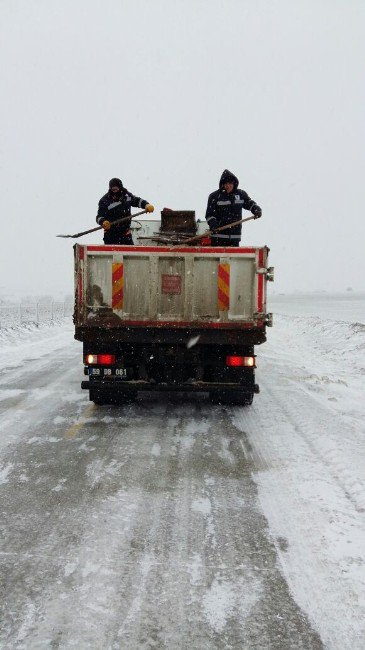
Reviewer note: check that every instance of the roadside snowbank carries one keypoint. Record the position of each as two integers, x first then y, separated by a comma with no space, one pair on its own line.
19,332
306,439
25,340
327,358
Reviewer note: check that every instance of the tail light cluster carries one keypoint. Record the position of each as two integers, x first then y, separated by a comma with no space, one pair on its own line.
100,359
236,362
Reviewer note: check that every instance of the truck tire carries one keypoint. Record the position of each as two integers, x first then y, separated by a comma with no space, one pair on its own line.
104,398
234,397
96,398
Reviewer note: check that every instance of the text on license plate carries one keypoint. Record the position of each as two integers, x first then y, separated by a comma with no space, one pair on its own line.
108,372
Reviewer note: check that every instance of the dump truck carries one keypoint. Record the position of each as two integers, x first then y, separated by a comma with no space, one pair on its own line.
165,315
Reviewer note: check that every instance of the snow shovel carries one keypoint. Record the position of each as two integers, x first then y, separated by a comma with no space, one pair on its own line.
112,223
208,233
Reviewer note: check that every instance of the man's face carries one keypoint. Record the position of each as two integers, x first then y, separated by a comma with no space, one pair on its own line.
115,189
228,187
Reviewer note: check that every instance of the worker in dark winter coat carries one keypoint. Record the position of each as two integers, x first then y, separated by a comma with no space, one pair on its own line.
225,206
117,203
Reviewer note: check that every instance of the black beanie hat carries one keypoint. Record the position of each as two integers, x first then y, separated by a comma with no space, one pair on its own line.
116,182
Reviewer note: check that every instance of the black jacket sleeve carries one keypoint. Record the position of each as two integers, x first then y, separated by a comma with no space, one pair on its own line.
137,202
102,211
210,215
248,202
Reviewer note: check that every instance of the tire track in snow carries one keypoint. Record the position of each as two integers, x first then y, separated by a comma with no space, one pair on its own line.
132,532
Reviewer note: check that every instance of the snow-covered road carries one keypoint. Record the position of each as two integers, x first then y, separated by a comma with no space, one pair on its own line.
171,523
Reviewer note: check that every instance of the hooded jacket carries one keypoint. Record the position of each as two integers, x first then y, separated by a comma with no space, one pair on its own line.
115,206
223,208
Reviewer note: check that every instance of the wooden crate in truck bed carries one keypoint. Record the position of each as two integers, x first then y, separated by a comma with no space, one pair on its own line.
179,221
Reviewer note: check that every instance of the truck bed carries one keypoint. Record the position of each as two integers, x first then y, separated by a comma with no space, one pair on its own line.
124,288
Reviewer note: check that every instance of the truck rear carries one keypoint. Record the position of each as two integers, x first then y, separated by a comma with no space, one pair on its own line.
170,318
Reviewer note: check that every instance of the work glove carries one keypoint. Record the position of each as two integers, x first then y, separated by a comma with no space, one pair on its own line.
149,207
106,224
256,211
212,223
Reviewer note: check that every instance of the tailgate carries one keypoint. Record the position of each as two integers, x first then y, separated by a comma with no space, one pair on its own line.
210,287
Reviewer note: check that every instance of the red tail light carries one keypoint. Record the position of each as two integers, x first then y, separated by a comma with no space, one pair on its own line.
233,361
100,359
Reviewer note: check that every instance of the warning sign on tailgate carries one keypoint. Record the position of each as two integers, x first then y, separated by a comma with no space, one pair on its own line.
171,283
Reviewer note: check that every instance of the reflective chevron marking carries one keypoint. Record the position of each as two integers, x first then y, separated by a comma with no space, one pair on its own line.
118,285
223,287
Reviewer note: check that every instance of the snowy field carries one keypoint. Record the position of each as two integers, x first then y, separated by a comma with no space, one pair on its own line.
349,307
177,524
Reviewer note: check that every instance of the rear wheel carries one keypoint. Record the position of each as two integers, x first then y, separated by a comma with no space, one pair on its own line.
102,398
233,396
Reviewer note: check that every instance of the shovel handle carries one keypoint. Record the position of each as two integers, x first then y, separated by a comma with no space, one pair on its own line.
208,233
112,223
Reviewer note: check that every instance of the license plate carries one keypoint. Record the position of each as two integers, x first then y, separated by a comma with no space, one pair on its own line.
108,372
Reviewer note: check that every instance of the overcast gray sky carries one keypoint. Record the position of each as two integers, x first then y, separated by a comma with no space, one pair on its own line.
165,94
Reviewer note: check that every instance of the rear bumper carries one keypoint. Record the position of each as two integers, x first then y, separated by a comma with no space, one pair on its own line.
193,387
178,335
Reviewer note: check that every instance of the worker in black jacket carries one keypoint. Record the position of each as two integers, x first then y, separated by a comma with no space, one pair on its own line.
225,206
115,204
